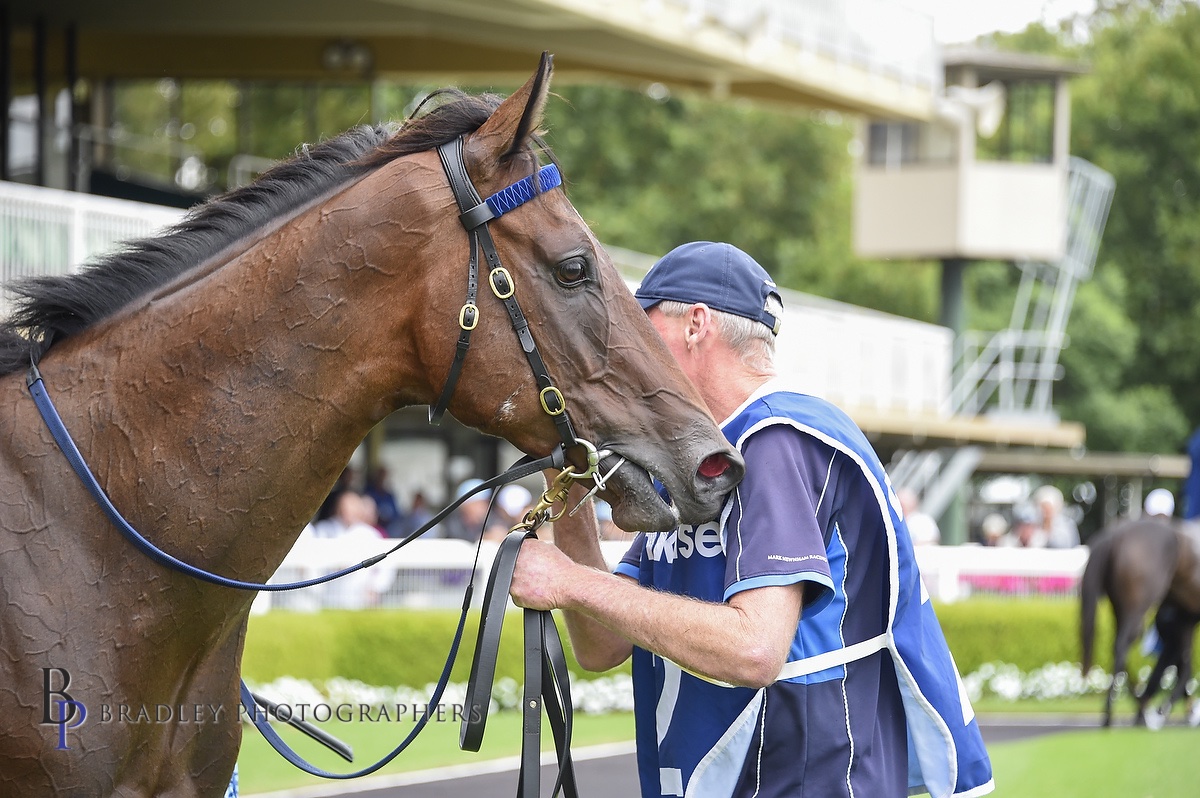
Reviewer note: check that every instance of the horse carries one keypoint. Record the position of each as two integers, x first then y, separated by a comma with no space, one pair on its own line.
1139,565
218,378
1175,629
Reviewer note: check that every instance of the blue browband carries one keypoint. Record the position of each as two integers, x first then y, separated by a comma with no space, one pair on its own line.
514,196
522,191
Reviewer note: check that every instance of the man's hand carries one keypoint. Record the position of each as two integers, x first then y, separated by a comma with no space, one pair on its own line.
542,576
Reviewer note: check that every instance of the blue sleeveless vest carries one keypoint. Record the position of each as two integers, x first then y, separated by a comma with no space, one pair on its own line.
946,753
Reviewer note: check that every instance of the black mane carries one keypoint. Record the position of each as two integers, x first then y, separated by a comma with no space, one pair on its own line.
51,308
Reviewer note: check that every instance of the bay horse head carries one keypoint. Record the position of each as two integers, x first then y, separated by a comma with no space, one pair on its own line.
616,377
217,379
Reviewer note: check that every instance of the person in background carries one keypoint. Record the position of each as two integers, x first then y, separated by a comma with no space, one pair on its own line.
1159,503
1060,530
513,501
1170,620
994,531
353,515
419,514
353,526
467,522
379,490
737,692
921,526
1027,529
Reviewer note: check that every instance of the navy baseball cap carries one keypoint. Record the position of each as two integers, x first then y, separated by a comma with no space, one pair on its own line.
719,275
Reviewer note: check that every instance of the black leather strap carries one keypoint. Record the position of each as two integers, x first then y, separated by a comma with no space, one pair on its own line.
547,682
566,431
529,781
451,158
557,703
475,215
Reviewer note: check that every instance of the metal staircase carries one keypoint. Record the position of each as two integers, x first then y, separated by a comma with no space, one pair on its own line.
1011,373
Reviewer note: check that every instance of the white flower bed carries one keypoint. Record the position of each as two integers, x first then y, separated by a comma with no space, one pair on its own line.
615,693
1054,680
591,696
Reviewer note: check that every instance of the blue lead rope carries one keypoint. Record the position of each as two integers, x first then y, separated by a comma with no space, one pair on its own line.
257,715
62,437
260,717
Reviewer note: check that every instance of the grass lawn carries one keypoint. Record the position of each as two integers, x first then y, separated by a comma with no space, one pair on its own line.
1099,763
262,770
1092,763
1079,705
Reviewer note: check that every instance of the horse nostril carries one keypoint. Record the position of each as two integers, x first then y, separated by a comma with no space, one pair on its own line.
714,466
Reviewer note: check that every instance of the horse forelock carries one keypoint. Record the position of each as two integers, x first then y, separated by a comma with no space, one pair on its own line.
50,308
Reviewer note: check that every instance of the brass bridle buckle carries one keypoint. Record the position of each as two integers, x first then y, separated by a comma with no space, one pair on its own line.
468,316
501,282
554,404
556,492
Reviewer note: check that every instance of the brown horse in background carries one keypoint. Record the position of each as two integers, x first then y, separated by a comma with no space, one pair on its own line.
1140,565
1175,628
217,379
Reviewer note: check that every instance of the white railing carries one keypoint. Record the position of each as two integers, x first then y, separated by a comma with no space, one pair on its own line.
862,359
426,574
48,231
952,573
434,573
883,37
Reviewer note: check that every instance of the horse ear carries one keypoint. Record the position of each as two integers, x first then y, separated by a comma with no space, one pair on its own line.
508,128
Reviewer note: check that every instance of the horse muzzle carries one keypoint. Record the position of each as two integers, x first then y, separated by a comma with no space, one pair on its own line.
639,506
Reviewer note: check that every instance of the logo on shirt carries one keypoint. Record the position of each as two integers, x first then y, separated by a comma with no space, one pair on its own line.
785,558
685,541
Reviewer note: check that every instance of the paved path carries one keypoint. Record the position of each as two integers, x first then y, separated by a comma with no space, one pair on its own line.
604,771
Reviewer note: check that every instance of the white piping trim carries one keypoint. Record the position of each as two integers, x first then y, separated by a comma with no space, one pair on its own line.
830,659
667,698
825,487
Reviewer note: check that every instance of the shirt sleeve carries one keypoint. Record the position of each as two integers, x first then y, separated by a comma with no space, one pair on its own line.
772,527
631,564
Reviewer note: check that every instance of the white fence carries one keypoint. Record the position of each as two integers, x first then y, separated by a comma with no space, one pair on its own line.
882,36
434,573
48,231
426,574
952,573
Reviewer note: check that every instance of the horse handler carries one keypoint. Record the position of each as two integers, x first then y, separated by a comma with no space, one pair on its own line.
784,648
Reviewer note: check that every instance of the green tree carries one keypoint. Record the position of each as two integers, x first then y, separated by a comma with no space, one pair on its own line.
649,174
1130,372
1138,116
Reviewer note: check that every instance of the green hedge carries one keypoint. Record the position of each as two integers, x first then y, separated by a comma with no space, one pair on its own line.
409,647
379,647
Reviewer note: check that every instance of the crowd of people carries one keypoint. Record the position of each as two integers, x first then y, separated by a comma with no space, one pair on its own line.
370,506
1040,524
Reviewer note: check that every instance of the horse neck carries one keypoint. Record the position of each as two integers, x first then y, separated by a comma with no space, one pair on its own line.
226,409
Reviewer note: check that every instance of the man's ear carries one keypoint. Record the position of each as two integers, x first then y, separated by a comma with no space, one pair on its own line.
700,323
508,129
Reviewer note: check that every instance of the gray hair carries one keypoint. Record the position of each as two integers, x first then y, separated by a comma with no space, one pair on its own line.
752,339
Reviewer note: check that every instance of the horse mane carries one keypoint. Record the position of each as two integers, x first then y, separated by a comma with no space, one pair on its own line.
50,308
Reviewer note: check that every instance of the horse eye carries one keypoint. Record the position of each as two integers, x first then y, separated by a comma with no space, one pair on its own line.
571,272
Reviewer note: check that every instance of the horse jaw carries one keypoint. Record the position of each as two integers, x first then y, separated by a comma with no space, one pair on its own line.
636,504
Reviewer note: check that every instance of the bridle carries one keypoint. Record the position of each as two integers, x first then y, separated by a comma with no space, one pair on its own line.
475,214
546,680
